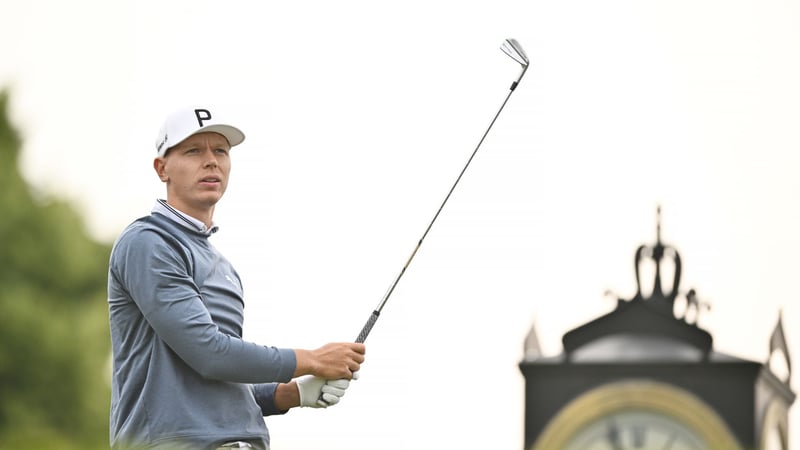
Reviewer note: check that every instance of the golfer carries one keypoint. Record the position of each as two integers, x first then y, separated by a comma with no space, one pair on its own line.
183,377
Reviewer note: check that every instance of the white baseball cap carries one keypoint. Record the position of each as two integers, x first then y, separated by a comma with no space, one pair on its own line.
188,121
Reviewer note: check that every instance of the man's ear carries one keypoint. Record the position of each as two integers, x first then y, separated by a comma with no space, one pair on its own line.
158,165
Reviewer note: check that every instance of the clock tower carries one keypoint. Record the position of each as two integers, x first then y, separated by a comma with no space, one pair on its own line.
646,377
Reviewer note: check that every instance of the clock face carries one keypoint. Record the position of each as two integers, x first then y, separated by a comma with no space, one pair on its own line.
636,415
635,429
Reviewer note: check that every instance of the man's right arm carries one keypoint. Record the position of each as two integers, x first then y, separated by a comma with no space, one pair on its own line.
154,273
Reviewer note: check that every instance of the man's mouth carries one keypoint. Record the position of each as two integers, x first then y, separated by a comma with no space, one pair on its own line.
210,180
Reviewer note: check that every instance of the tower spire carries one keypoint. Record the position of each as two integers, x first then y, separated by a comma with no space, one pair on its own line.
658,224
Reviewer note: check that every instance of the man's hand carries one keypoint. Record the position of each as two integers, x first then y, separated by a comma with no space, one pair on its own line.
317,392
331,361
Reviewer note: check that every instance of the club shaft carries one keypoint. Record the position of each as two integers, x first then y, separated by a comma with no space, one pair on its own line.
362,336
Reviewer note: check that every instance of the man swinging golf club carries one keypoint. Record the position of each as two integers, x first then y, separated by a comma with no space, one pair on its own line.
183,377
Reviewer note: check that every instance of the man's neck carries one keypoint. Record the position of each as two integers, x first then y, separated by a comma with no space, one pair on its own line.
203,215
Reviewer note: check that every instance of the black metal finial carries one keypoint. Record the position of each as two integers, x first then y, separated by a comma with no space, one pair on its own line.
657,253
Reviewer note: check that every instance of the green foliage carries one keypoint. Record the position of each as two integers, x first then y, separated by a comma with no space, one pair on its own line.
54,345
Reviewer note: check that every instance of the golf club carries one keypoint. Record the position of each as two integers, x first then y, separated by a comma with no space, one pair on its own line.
511,48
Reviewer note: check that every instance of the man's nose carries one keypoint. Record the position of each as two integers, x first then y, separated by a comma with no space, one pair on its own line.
211,158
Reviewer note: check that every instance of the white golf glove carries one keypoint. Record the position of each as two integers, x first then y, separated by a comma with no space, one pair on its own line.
334,387
317,392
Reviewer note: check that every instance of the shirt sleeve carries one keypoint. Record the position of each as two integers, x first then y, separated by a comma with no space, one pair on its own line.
265,398
154,270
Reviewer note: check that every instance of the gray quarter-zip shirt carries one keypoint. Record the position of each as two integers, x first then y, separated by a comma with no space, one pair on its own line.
183,377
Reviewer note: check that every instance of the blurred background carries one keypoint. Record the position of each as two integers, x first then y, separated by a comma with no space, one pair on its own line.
359,116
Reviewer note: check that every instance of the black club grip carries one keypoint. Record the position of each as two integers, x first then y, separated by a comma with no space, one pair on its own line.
367,327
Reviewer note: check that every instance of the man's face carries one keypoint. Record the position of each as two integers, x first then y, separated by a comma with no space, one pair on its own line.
196,172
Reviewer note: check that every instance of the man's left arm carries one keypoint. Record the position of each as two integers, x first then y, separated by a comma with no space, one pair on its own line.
273,398
306,391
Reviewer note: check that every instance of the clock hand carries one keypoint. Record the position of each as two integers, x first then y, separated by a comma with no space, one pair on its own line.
613,436
638,432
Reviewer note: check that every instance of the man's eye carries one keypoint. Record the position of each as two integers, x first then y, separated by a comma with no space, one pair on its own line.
222,151
192,150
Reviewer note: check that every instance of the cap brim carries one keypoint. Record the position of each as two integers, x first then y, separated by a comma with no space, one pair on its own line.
234,135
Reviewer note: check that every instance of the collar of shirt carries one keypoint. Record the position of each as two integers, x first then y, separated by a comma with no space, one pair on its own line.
163,208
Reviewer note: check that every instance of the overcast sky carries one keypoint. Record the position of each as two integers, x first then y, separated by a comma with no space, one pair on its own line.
360,115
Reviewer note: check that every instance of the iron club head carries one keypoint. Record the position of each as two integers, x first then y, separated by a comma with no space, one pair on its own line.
512,48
